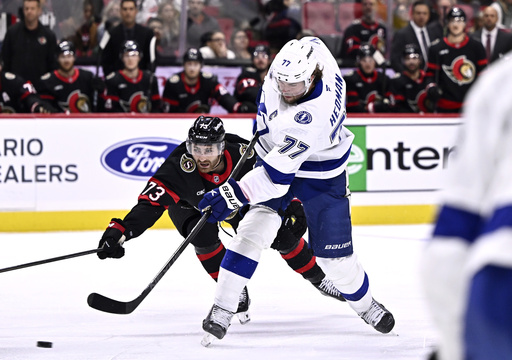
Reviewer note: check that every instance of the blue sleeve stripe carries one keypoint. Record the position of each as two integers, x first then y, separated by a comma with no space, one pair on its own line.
453,222
501,218
278,177
359,293
326,165
239,264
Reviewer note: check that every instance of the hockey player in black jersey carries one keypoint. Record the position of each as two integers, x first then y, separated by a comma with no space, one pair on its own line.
67,89
367,88
131,89
195,167
366,30
193,91
455,62
249,81
18,96
411,91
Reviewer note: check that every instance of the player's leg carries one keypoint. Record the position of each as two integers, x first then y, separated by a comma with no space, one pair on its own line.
239,263
327,207
296,252
488,330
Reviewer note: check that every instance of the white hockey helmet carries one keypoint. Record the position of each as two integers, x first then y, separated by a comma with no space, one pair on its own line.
293,65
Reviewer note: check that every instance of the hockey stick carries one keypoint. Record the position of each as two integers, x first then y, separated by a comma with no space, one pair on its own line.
104,41
103,303
152,67
46,261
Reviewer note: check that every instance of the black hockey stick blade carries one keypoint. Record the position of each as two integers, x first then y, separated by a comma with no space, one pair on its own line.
105,304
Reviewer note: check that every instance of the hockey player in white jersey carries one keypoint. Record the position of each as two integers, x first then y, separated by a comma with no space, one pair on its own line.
467,266
304,149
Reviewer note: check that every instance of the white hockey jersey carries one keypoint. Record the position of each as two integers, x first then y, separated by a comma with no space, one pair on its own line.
306,139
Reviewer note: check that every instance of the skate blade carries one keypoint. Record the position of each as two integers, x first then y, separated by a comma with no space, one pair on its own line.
207,340
244,317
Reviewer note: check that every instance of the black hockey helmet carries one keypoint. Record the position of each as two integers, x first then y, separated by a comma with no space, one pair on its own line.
130,46
456,13
65,47
207,130
364,51
410,50
193,54
261,49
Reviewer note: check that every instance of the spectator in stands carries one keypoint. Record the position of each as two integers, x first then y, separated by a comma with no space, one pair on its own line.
504,9
198,23
438,24
85,39
68,89
497,42
164,48
240,44
111,17
367,88
146,10
17,96
251,78
131,89
414,33
411,91
171,24
192,91
28,41
455,62
280,27
367,29
215,46
127,30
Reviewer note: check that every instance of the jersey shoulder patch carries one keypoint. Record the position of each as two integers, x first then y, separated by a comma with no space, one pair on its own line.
397,76
350,73
174,79
46,76
243,149
435,42
10,76
187,163
111,75
207,75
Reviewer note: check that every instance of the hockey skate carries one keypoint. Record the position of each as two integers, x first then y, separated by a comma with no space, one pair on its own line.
378,317
243,307
216,324
327,288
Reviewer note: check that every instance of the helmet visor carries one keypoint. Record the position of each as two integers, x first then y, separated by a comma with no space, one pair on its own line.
205,149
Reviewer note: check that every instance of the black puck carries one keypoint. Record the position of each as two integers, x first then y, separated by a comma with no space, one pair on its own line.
44,344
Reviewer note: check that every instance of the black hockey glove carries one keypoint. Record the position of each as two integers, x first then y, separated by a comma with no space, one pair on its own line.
43,108
295,219
98,84
245,107
111,242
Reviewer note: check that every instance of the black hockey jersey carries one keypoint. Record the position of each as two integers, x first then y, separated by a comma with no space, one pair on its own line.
73,94
123,94
363,90
178,97
455,67
360,32
16,96
248,85
178,180
408,95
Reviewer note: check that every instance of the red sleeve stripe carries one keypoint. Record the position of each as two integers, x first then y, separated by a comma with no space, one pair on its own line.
145,197
170,101
171,193
482,62
295,251
116,225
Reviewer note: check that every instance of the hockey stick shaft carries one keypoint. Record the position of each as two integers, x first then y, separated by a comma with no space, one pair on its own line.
103,303
46,261
104,41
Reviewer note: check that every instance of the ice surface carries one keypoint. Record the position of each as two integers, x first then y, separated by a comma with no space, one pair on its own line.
290,319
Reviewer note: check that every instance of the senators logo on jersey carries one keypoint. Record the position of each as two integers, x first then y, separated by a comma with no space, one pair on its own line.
461,70
77,102
138,103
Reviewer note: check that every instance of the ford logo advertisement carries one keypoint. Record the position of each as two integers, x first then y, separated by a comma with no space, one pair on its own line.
137,159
